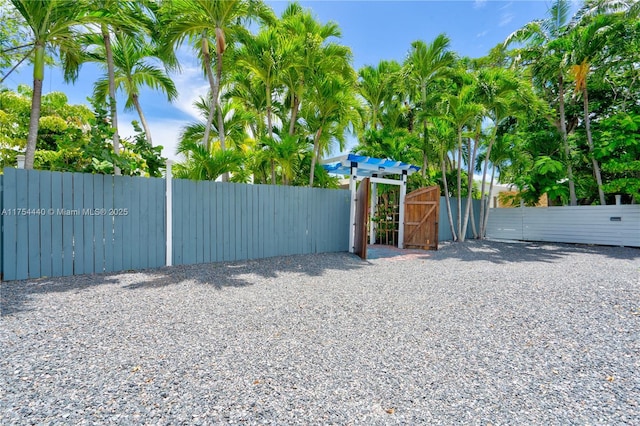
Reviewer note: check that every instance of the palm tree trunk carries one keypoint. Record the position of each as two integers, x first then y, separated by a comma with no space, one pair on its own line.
484,181
143,120
567,152
221,134
36,102
294,114
596,165
269,123
225,175
486,215
316,153
112,92
447,199
467,211
206,60
459,167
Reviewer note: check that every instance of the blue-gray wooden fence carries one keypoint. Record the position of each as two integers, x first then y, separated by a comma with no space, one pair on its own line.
226,221
444,229
59,224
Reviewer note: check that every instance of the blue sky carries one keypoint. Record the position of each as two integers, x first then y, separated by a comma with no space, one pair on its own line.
374,30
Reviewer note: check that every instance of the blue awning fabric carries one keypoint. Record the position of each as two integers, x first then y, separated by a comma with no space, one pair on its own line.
368,166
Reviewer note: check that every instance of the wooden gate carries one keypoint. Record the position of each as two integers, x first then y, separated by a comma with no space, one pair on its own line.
362,219
422,209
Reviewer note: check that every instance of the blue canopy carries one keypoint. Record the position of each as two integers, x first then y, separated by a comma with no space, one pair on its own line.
368,166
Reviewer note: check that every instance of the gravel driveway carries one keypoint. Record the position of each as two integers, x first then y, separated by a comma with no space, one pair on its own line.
476,333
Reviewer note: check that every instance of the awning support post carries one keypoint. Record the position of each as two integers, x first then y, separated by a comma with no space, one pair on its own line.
352,210
403,194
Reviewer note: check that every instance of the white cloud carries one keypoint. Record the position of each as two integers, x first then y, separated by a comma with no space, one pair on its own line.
478,4
165,132
191,85
482,34
505,19
507,6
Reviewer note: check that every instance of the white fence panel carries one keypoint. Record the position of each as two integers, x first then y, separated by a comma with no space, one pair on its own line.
607,225
505,224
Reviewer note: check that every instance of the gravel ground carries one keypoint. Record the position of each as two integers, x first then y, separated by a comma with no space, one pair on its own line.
476,333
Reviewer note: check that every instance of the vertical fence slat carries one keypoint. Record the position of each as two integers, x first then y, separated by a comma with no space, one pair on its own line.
157,239
190,220
241,221
10,236
198,213
206,221
108,224
33,202
178,201
250,222
57,240
98,223
46,249
22,249
118,223
89,225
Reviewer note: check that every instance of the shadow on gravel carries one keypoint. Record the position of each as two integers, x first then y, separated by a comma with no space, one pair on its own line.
500,252
15,295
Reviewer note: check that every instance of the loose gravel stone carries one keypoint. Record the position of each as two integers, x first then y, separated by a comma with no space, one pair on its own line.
475,333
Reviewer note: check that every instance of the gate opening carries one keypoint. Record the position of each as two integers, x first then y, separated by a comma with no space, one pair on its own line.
388,223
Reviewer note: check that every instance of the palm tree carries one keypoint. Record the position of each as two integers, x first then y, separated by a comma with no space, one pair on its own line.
587,41
201,164
52,24
330,111
314,56
426,65
503,95
132,70
376,85
114,16
549,54
462,111
237,119
210,22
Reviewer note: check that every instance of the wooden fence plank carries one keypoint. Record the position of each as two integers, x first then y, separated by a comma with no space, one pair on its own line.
198,212
78,226
206,221
98,218
46,231
226,221
67,224
143,194
57,241
22,231
9,225
190,220
130,224
119,231
157,236
108,224
178,205
241,222
217,225
88,222
250,222
33,202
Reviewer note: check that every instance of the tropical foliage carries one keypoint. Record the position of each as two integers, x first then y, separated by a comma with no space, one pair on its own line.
553,110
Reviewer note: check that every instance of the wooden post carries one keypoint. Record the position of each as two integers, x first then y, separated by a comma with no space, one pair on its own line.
403,194
373,206
352,212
